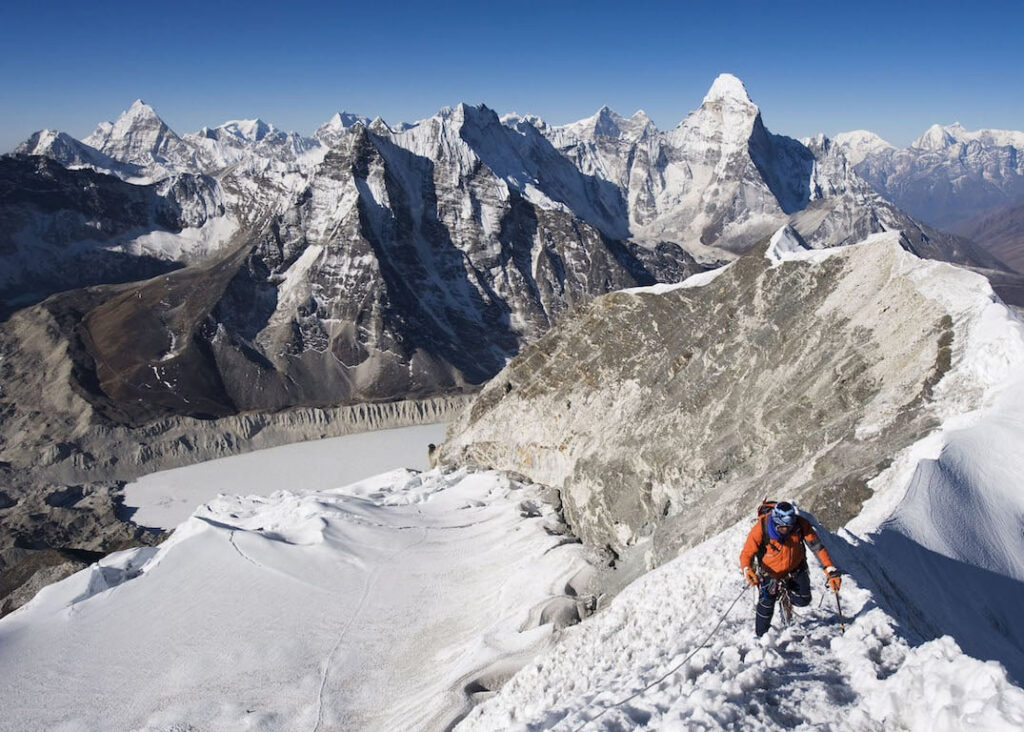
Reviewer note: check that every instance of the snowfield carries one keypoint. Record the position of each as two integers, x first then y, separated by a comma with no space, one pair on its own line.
380,606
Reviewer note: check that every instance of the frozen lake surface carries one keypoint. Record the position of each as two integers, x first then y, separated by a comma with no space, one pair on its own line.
165,499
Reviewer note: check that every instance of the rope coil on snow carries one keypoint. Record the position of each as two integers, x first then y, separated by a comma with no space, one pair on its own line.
670,671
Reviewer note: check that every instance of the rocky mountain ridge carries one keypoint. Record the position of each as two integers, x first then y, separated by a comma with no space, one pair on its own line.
660,412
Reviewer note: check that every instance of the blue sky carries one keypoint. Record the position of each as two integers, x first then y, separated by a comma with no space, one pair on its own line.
894,68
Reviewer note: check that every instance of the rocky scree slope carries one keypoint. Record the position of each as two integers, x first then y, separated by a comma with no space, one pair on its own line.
663,414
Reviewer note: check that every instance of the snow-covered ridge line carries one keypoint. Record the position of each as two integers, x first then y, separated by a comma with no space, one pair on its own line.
871,677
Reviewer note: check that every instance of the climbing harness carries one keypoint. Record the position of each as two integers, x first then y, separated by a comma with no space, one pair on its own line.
671,670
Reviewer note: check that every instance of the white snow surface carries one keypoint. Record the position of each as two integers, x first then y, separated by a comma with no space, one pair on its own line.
783,243
858,144
369,607
809,675
167,498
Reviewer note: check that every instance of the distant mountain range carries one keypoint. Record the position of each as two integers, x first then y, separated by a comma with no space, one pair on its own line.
968,183
371,263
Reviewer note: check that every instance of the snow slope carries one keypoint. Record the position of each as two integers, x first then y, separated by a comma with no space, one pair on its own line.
809,675
370,607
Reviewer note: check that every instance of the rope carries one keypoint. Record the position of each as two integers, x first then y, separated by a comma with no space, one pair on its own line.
671,670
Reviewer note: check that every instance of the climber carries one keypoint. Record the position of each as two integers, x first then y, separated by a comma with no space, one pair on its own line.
774,553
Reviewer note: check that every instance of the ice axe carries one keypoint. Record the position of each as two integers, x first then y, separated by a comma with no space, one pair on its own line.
839,609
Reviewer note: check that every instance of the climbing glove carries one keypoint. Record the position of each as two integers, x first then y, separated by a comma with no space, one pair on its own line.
751,576
835,579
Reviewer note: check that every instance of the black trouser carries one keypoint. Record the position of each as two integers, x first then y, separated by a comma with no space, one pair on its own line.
798,582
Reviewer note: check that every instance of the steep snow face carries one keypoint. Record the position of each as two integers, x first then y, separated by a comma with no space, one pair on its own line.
250,141
73,154
384,605
337,126
939,137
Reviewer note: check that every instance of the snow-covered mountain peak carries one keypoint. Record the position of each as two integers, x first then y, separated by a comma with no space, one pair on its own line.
858,144
379,126
250,130
337,126
725,118
606,122
139,110
727,89
515,121
139,115
478,116
140,137
640,116
935,138
343,120
39,142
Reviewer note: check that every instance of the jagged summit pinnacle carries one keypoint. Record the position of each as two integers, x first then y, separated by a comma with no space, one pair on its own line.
727,87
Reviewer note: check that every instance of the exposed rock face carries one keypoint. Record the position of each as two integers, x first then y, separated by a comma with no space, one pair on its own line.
664,412
64,228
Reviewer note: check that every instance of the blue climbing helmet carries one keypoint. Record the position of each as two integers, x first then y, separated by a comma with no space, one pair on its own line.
784,514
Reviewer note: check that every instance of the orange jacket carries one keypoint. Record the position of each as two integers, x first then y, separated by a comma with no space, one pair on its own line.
785,555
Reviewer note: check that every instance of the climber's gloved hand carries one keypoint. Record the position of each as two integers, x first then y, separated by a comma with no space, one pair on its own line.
834,576
751,576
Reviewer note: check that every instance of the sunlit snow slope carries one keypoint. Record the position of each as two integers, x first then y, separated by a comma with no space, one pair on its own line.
379,606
